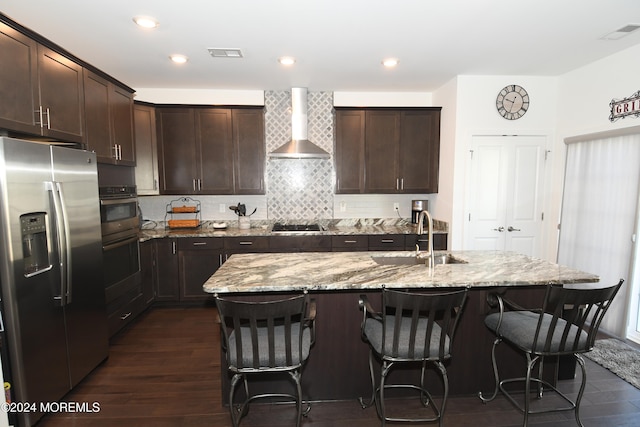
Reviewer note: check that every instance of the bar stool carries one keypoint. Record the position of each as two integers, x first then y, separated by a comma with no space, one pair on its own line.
265,338
411,328
566,324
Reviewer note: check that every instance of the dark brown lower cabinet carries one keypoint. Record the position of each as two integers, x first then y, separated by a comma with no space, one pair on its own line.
439,242
180,266
243,245
198,259
387,242
303,243
147,271
349,243
166,268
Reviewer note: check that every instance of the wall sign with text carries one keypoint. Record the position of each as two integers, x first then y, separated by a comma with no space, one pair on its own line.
621,108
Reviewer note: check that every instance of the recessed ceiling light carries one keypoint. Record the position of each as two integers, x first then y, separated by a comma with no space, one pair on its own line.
287,60
390,62
146,21
179,59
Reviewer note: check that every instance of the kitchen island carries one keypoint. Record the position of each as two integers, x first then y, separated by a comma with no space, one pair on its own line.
337,367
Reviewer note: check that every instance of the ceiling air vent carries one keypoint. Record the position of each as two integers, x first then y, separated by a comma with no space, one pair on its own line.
621,32
218,52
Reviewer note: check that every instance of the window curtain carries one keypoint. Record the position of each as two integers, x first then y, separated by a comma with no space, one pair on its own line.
600,215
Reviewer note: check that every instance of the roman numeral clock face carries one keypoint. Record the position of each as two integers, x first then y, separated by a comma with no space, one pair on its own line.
512,102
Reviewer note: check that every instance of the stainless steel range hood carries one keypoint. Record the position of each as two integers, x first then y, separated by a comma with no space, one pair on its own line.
299,147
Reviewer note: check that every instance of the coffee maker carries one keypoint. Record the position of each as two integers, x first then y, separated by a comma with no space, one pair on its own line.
418,206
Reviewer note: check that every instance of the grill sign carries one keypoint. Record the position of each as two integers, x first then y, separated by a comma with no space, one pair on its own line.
625,107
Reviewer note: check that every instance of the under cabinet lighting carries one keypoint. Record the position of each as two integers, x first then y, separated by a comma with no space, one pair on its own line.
146,22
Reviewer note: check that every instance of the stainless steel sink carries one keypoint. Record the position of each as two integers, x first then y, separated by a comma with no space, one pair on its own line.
411,260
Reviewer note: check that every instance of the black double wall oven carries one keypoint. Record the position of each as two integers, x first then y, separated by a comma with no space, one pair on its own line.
120,225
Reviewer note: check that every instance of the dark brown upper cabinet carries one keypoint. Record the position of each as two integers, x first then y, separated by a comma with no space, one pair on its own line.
144,119
349,151
109,120
387,150
42,90
210,150
248,150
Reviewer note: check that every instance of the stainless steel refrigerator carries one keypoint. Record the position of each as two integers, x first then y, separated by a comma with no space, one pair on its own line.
53,304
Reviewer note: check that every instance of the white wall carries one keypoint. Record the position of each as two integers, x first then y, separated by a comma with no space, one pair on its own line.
382,99
583,108
200,96
442,205
472,100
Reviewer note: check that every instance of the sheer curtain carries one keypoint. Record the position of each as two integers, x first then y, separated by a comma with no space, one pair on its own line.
600,215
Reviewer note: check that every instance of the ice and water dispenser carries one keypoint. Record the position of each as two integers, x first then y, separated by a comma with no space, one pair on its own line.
35,250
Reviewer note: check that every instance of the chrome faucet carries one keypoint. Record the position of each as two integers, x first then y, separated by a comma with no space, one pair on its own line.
420,231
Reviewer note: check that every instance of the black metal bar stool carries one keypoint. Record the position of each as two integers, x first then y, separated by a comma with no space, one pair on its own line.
566,324
265,338
412,327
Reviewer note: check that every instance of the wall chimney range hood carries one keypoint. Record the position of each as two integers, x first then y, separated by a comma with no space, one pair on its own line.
299,147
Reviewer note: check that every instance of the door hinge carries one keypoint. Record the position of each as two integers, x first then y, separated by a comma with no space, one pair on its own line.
469,216
542,216
471,152
546,154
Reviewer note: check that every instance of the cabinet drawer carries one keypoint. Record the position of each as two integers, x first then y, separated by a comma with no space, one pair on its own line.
246,244
349,243
199,243
387,242
125,314
305,243
439,242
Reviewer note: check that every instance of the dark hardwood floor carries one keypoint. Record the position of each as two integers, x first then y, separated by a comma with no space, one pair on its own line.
164,370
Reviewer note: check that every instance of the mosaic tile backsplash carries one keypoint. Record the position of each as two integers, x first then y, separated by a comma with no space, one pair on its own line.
299,188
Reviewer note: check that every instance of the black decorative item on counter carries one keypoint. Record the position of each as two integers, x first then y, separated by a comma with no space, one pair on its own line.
241,210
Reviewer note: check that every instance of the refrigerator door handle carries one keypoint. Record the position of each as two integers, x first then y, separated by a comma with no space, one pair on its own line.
63,244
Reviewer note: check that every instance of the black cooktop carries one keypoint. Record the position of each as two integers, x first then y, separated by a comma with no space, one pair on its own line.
279,227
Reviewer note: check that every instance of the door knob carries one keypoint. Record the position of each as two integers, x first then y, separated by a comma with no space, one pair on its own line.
499,229
510,229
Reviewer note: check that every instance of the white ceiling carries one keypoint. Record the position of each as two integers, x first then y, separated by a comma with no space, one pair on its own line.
338,44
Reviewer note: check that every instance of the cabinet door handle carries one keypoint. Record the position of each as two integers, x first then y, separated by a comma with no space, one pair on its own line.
387,240
350,241
199,243
173,248
124,316
48,113
40,117
194,184
199,184
402,183
246,243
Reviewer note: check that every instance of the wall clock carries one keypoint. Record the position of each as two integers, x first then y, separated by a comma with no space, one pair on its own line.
512,102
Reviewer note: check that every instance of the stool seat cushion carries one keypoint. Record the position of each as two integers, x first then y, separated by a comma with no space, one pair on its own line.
263,346
519,328
373,333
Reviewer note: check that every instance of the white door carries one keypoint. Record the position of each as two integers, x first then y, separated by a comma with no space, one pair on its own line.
505,203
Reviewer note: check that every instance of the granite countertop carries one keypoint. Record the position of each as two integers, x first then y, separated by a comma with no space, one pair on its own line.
336,271
152,229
